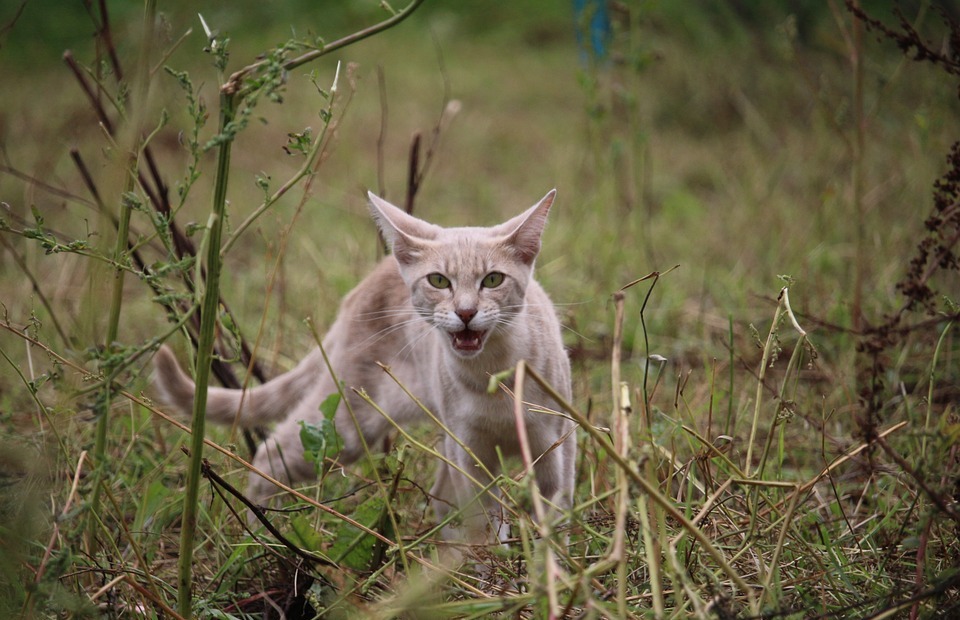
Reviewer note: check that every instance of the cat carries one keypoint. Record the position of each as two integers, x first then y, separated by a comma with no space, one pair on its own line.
446,309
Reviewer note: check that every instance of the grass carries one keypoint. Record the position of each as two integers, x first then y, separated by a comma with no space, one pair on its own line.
759,469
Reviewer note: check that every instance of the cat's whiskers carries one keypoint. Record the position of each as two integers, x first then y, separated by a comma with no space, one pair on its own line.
540,320
384,314
390,330
509,322
404,353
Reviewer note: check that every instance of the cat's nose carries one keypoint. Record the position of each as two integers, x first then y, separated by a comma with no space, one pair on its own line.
466,315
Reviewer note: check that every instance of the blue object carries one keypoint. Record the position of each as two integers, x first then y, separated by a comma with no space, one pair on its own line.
592,19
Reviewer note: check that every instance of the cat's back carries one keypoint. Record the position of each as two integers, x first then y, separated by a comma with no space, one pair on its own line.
382,288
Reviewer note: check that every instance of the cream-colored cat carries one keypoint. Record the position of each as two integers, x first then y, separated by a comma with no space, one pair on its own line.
448,308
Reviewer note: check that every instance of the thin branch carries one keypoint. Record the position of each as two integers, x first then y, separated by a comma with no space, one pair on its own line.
9,25
413,175
106,35
935,497
36,289
233,84
50,189
215,478
381,138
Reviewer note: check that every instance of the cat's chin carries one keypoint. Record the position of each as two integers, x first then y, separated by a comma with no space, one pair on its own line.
467,343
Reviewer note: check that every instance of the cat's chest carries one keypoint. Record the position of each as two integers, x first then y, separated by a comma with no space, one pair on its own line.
464,406
485,413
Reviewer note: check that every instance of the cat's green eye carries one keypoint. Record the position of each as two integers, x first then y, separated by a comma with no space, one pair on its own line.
438,280
492,280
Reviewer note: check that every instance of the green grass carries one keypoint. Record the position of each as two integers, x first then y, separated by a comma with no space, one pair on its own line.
732,138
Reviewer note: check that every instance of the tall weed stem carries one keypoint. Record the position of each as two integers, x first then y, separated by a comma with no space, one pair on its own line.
758,399
933,374
120,261
208,322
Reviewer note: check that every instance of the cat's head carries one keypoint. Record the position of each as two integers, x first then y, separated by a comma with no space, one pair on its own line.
466,282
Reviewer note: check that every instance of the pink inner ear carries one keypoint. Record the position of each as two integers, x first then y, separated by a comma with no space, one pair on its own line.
526,237
404,250
526,243
400,229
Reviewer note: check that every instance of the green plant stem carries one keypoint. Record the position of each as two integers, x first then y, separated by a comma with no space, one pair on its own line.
764,362
729,428
933,374
120,258
113,327
651,543
208,322
319,143
792,365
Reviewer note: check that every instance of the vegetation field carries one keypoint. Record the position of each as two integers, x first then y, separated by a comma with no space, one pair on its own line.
754,252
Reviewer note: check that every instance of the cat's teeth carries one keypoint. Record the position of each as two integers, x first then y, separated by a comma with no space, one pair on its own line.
467,340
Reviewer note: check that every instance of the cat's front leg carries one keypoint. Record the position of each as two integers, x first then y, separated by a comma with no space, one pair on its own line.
555,473
480,518
280,456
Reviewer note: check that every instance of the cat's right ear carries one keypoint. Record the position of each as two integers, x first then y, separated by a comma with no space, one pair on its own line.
403,233
523,232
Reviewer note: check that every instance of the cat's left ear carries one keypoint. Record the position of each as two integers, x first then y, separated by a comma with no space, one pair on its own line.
524,231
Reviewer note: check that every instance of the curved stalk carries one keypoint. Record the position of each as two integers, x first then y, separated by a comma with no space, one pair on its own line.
233,84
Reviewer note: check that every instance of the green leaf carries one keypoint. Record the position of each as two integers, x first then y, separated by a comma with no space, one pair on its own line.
321,440
359,550
305,535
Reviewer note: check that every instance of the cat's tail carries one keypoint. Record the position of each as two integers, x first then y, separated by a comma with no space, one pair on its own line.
246,408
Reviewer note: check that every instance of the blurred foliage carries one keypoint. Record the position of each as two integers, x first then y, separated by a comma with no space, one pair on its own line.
34,33
38,31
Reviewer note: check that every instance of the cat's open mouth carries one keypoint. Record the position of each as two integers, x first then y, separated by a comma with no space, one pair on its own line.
467,341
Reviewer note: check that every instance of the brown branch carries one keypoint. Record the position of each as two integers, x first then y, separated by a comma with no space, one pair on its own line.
9,25
233,84
106,35
909,41
50,189
88,180
211,475
381,138
88,91
413,173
